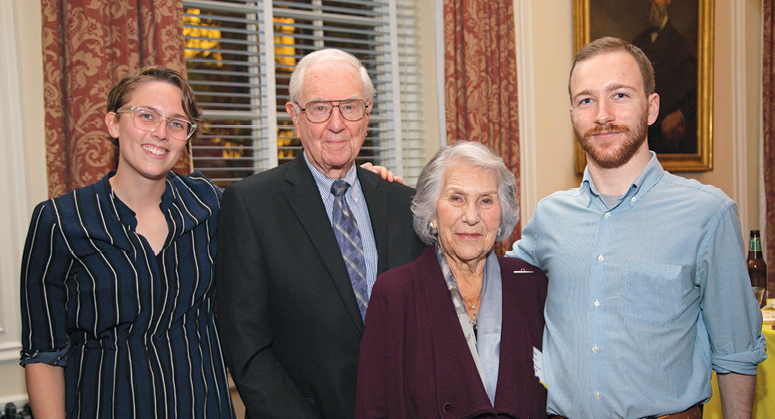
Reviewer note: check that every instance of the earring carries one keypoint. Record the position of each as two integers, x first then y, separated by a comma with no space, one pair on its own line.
500,231
433,230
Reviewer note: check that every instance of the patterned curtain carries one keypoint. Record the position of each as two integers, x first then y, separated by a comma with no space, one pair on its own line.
768,124
88,45
481,79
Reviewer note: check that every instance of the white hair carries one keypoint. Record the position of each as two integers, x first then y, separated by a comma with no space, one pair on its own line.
431,182
297,77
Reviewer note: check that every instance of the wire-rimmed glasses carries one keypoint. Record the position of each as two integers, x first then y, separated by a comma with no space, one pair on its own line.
319,111
147,120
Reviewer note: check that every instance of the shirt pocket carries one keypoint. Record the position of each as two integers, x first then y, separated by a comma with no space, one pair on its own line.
652,293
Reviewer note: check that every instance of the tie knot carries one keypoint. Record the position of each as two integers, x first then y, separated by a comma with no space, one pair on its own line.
339,187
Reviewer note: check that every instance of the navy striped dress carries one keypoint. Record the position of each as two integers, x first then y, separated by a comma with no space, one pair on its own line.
134,331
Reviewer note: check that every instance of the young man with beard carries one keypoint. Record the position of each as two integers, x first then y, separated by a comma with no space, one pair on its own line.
648,287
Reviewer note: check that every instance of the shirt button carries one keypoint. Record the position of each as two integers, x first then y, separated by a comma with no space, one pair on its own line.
594,349
608,215
597,303
597,394
633,199
600,258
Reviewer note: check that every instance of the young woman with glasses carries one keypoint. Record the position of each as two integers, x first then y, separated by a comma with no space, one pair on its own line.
117,284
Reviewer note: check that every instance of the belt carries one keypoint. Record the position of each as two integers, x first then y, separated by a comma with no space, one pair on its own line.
694,412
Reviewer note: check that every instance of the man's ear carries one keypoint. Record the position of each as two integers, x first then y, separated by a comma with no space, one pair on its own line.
653,108
293,111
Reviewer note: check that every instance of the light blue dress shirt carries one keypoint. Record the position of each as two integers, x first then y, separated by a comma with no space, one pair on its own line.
644,298
357,203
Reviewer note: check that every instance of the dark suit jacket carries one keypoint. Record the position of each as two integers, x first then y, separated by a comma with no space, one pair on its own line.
415,362
289,323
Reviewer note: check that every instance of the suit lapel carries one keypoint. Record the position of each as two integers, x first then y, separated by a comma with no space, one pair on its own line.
513,333
376,200
304,198
456,375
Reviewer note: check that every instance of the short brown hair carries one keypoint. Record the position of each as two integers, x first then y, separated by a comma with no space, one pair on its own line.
120,93
611,44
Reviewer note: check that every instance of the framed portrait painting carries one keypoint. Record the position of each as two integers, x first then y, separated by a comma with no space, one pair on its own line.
677,36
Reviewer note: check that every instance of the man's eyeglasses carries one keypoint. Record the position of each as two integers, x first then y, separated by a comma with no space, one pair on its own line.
319,111
148,120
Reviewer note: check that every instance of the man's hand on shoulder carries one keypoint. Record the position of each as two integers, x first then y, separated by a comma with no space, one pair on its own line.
384,172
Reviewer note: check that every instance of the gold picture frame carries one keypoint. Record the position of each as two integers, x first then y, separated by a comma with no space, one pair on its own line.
623,18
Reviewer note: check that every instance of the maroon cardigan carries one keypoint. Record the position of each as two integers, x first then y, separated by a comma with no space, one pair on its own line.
415,362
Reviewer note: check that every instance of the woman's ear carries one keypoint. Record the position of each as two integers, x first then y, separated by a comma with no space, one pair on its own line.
111,120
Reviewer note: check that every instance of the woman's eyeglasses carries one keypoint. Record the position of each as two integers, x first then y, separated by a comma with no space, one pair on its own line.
148,120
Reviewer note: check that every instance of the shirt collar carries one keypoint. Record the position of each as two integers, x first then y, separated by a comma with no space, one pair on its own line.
664,23
125,214
324,183
642,184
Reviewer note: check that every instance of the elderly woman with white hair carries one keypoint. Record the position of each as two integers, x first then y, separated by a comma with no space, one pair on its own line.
453,334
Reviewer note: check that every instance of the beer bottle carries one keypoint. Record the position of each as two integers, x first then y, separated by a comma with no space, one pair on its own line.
757,268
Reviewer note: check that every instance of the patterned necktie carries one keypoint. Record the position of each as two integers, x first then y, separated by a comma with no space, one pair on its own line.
349,239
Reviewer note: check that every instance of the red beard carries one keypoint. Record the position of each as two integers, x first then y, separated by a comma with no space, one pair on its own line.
608,154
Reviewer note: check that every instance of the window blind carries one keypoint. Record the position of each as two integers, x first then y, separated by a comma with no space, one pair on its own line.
239,57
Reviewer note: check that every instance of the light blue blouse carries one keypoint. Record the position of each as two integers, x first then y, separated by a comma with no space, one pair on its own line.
485,344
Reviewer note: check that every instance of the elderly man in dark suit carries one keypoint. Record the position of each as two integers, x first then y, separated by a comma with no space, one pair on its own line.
299,250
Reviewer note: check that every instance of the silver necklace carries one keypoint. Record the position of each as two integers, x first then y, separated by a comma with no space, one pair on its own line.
474,313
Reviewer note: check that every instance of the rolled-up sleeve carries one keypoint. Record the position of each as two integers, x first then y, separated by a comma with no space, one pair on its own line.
729,311
45,265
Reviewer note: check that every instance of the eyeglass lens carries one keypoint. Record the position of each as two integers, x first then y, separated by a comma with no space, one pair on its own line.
351,110
148,120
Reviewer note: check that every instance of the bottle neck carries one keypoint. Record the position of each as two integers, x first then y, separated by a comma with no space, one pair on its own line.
755,254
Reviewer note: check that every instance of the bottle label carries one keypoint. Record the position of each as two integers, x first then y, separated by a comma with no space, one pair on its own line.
755,244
